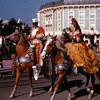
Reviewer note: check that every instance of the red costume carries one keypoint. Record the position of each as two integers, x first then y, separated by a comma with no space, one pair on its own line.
36,34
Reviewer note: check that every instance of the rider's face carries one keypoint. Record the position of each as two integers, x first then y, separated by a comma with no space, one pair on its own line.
72,27
35,24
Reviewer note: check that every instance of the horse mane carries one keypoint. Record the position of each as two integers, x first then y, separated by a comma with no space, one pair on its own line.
60,45
22,46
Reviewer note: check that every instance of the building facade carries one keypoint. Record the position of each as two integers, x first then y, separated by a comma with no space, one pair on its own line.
55,16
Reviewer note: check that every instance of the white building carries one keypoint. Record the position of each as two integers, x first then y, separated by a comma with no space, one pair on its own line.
55,16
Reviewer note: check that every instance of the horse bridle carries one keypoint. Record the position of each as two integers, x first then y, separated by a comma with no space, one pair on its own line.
45,52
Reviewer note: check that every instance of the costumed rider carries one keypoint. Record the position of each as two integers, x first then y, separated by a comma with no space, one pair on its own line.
75,31
75,36
35,36
13,41
81,55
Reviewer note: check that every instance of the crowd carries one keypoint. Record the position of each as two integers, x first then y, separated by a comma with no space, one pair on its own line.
7,29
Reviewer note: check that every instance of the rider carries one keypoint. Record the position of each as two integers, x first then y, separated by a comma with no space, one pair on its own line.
75,36
13,38
35,36
75,31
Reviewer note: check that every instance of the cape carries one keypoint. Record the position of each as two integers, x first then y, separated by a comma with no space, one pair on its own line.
82,56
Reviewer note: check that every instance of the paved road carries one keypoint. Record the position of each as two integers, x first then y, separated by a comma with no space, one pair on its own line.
41,87
6,66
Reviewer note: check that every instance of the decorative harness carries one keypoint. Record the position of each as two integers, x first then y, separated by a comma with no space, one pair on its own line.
26,58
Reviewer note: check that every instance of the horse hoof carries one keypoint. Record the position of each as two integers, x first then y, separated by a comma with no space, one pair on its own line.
69,96
31,94
91,94
11,96
50,90
51,98
69,99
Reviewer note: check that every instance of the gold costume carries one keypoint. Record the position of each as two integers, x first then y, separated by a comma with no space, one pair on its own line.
83,56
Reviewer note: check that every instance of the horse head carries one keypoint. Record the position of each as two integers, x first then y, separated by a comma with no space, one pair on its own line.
22,46
49,45
22,40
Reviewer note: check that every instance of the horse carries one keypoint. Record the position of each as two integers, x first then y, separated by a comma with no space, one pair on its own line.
62,69
24,61
49,46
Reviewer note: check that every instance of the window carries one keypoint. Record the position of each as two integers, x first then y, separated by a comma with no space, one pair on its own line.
92,17
82,17
71,15
59,16
59,21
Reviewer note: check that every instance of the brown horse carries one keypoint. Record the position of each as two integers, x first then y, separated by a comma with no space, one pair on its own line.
50,44
24,61
62,69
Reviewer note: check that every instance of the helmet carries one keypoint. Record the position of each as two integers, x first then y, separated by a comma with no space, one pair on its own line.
76,25
34,20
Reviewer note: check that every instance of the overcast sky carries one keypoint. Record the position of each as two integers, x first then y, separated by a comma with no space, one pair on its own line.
24,9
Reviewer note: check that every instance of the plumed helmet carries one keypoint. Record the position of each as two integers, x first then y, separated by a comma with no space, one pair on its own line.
76,25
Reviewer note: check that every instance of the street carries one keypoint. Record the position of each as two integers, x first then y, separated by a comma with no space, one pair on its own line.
41,87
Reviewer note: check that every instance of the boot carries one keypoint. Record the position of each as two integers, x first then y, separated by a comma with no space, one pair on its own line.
36,71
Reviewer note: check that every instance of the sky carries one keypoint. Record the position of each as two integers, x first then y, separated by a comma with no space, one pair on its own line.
23,9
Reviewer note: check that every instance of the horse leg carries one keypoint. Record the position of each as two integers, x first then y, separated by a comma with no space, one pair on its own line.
87,81
92,88
30,82
61,76
87,75
52,84
16,82
13,63
68,88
